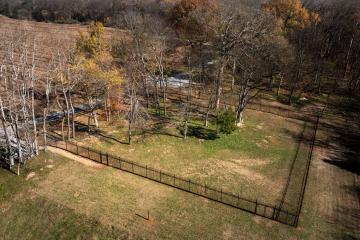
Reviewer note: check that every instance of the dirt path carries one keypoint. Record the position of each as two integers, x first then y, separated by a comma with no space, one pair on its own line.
76,158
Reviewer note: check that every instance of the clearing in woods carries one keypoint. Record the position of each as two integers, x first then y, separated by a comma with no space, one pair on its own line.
72,200
59,198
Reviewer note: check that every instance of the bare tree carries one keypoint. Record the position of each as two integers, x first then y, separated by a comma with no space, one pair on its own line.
18,78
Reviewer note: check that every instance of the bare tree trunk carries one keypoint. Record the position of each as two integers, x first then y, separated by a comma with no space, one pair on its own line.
7,138
36,147
210,105
147,94
157,98
129,132
94,115
186,125
219,84
202,76
67,114
233,77
297,69
89,122
72,115
20,153
164,96
107,105
62,129
279,86
44,129
188,104
242,103
131,115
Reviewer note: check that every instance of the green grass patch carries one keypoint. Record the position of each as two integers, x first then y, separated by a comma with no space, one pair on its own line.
252,160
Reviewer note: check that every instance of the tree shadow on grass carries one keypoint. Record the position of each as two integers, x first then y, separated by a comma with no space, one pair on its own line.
80,127
201,133
159,128
344,141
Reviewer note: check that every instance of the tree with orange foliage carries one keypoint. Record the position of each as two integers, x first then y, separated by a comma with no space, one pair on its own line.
94,61
191,17
291,14
293,19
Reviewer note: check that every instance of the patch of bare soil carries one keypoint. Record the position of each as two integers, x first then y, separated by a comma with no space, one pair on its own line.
242,170
30,176
76,158
227,233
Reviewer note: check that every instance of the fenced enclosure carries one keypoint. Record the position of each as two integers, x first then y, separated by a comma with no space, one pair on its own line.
277,213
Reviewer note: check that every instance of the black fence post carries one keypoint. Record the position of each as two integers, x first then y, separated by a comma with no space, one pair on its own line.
107,159
100,154
274,212
256,203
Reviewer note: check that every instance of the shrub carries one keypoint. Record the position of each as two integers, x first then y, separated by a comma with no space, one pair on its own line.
226,121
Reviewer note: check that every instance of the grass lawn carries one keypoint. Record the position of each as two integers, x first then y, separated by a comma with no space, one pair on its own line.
28,214
68,200
253,161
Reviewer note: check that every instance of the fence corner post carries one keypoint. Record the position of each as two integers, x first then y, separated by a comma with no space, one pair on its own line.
274,212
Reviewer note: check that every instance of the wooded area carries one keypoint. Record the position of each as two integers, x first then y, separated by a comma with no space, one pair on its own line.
223,50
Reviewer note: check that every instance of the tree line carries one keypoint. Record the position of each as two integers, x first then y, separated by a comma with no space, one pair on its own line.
226,51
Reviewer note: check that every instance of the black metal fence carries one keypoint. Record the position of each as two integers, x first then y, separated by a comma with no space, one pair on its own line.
209,192
307,170
277,213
